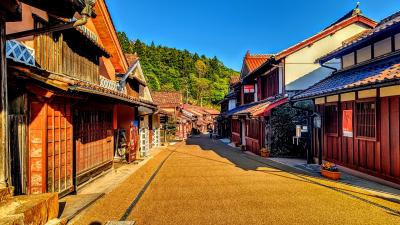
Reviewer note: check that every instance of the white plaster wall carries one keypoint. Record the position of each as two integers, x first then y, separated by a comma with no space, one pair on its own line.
302,62
232,104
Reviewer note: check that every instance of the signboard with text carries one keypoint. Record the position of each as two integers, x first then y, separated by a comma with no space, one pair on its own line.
248,88
348,123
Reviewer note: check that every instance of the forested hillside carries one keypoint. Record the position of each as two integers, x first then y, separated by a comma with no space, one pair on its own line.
204,80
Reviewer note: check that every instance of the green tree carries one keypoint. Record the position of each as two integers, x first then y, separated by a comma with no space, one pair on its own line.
201,79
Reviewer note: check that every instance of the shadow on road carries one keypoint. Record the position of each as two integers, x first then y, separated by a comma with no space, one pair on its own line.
248,162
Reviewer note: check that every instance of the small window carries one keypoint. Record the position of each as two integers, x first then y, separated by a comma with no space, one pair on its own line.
366,119
331,119
397,41
383,47
364,54
348,60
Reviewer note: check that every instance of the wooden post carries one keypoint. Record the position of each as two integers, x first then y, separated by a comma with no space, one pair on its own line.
4,154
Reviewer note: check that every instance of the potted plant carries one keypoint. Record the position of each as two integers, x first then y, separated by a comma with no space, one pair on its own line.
264,153
330,170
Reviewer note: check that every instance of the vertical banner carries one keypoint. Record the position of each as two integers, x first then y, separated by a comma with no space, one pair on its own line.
348,123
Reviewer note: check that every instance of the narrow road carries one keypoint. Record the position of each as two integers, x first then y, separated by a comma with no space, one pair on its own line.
207,182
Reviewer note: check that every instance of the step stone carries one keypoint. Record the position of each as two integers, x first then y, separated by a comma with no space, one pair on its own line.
30,209
6,193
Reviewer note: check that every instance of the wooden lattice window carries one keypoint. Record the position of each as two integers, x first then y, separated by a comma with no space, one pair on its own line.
366,119
331,119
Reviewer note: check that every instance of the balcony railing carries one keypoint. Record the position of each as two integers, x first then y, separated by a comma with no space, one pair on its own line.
19,52
112,85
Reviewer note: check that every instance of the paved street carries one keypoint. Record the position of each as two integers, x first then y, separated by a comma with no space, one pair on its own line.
207,182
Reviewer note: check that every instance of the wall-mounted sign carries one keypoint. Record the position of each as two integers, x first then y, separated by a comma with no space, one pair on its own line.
248,88
348,123
317,121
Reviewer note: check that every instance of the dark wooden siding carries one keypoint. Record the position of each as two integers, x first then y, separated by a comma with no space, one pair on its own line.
254,135
378,156
270,84
66,53
235,131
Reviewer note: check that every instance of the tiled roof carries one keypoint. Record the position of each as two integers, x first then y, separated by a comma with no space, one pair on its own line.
328,31
212,111
68,83
97,89
234,79
167,98
382,26
254,61
382,71
348,15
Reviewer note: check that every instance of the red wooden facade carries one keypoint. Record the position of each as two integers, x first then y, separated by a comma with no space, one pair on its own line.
254,135
94,145
50,147
269,84
374,150
236,126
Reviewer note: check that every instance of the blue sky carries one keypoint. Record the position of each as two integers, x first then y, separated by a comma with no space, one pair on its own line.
228,28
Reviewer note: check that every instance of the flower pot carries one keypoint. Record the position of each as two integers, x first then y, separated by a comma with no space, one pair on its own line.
331,175
264,154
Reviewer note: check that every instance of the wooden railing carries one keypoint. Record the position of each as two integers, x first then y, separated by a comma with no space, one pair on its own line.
112,85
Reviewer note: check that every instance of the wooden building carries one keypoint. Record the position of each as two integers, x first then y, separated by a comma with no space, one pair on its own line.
63,99
359,103
268,80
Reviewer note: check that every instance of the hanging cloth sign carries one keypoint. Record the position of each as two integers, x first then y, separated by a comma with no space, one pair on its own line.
348,123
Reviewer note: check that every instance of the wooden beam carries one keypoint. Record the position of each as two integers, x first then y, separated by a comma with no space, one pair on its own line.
43,30
4,146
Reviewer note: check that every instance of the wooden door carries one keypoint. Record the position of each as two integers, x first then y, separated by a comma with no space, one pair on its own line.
50,148
93,142
37,148
59,148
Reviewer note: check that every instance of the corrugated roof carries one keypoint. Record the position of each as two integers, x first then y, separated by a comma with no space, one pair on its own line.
386,70
382,26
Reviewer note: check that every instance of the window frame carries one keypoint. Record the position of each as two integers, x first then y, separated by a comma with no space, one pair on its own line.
366,100
335,134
